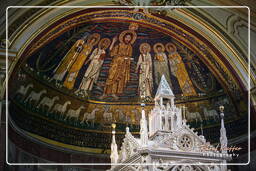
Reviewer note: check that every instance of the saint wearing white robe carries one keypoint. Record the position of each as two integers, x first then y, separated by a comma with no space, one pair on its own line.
97,58
144,68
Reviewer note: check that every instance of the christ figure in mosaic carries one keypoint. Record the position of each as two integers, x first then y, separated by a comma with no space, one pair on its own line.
119,72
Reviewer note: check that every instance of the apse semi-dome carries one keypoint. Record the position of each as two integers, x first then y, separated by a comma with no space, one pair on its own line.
95,67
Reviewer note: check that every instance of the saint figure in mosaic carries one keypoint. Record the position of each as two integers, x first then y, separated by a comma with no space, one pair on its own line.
68,60
178,69
161,64
144,68
96,60
75,67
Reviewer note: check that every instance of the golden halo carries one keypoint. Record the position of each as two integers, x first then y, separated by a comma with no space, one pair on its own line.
96,36
107,42
145,45
158,44
121,36
133,26
170,45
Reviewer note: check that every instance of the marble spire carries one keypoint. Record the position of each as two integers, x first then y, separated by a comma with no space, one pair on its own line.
143,129
164,91
114,151
223,136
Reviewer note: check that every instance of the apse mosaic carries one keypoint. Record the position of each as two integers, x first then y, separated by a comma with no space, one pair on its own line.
115,61
100,72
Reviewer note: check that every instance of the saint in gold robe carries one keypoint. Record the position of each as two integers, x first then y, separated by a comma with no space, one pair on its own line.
161,68
179,70
85,50
77,65
161,64
68,60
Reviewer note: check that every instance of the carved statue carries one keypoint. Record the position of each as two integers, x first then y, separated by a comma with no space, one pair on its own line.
23,90
74,113
90,117
123,153
46,101
34,96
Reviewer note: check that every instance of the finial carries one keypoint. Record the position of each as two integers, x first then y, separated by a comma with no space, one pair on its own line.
127,129
223,136
143,128
142,106
113,125
221,109
114,150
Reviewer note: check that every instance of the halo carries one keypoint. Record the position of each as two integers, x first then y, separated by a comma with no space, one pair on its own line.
107,40
167,47
146,45
135,25
96,36
158,44
121,36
